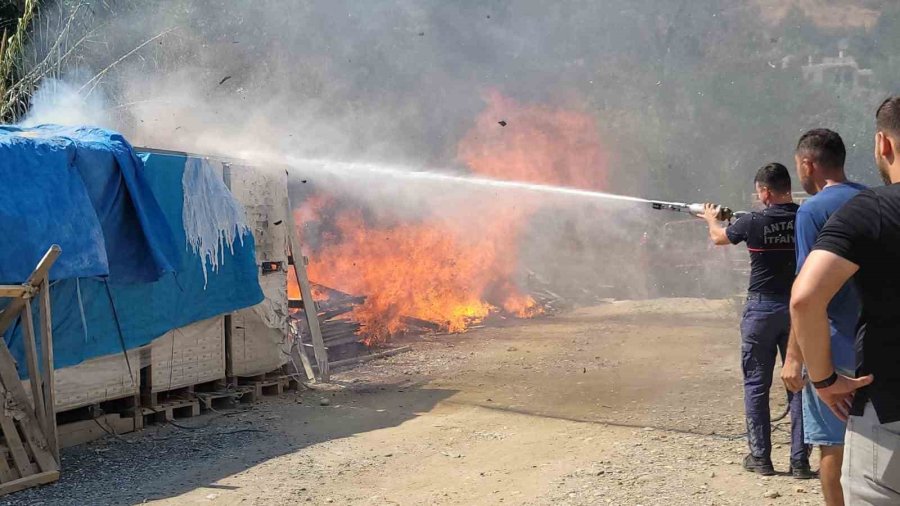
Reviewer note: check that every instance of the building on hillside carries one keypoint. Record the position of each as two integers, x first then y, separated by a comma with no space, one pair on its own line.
842,71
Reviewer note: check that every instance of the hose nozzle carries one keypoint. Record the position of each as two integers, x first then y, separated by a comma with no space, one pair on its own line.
725,213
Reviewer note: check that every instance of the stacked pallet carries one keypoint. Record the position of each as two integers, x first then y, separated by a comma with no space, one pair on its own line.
97,380
186,356
340,333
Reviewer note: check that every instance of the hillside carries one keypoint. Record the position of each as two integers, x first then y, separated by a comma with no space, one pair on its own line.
827,13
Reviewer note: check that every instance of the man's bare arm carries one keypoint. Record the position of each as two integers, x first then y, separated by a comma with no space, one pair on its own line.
793,348
792,372
822,275
716,231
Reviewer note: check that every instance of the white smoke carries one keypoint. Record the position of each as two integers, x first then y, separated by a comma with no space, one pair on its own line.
61,103
397,82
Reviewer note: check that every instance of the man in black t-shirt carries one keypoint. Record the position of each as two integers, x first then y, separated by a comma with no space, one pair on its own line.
766,321
861,240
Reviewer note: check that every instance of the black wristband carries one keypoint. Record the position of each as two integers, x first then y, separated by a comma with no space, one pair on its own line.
827,382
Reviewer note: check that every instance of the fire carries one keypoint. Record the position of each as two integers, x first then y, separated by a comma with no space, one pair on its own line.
454,272
539,144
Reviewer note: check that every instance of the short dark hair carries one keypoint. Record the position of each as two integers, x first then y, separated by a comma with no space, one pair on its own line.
775,177
887,118
823,146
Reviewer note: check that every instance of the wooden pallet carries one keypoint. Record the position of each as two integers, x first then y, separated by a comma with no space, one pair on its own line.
29,455
217,394
170,410
293,383
85,431
167,396
262,385
224,399
94,421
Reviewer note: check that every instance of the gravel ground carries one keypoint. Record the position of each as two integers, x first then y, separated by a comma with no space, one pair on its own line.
633,403
131,468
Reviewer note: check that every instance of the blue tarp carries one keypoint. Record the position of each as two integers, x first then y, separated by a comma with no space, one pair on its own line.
81,188
96,316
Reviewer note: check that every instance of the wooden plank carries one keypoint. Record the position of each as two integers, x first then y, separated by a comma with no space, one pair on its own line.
137,416
10,385
47,372
374,356
337,295
307,367
8,316
418,322
43,267
14,290
29,481
312,320
297,353
342,341
34,374
327,315
229,359
7,473
33,422
84,431
16,448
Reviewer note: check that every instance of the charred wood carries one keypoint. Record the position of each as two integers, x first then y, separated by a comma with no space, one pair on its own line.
420,323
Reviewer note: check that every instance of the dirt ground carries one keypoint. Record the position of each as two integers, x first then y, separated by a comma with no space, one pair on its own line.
628,403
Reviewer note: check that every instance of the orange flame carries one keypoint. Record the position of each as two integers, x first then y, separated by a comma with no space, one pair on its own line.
539,144
455,274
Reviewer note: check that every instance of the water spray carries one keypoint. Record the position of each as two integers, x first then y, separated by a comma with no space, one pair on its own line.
341,168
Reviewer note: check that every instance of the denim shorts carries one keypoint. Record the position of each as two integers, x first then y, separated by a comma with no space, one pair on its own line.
820,426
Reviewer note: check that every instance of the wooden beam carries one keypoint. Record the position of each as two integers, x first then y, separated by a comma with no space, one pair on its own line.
16,448
374,356
42,270
312,320
28,482
14,290
9,315
76,433
7,473
297,353
34,372
229,340
32,424
11,386
48,374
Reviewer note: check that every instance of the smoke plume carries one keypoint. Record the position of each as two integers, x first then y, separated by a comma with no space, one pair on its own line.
677,100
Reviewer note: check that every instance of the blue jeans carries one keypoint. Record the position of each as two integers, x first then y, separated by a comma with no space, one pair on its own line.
765,327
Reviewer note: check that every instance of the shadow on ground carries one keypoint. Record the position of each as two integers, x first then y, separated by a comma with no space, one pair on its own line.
167,461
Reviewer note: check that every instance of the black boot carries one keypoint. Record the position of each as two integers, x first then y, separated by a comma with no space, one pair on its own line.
800,470
760,465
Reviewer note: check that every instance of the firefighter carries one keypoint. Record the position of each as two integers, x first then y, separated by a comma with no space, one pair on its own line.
765,325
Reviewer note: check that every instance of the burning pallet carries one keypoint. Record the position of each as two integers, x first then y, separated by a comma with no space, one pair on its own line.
334,311
344,336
